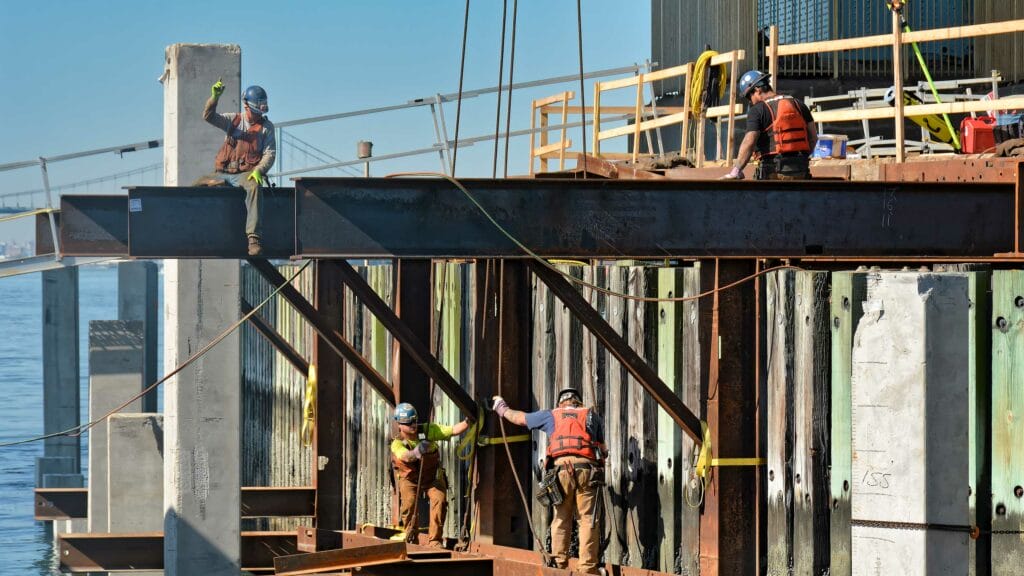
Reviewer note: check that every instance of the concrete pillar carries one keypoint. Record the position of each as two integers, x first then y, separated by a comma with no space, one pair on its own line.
61,401
115,375
910,415
202,404
137,299
135,448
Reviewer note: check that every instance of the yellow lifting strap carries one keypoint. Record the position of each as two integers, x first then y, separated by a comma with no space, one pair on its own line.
472,438
488,441
309,407
706,461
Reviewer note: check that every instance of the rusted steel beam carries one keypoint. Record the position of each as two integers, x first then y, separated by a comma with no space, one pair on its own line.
331,336
438,567
145,551
93,225
280,344
340,559
413,307
61,503
257,502
501,354
617,345
329,435
269,502
729,525
412,344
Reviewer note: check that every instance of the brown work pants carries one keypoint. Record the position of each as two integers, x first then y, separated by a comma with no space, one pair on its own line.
437,492
581,494
252,195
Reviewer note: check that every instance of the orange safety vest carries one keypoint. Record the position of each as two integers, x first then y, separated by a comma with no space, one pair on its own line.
239,154
431,462
788,131
571,437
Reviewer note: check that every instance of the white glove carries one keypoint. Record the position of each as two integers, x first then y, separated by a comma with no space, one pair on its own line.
734,174
499,406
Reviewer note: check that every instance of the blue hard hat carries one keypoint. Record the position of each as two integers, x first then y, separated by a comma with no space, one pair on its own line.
405,413
255,99
750,80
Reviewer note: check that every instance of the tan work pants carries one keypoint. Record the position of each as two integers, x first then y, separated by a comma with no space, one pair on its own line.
437,492
580,499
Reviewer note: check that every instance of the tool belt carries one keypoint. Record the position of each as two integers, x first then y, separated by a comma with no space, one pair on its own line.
549,489
794,166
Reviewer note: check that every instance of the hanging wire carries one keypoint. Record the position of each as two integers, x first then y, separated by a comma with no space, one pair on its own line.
511,75
462,75
583,97
501,77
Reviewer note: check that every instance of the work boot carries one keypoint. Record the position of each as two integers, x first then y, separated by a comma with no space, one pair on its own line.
255,249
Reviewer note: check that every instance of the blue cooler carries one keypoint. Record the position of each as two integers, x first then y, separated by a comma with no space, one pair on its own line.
830,146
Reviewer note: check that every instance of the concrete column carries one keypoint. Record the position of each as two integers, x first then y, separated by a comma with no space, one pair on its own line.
202,404
910,415
137,299
61,401
135,448
115,375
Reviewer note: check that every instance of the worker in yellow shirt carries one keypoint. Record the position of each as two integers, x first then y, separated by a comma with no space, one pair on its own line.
417,466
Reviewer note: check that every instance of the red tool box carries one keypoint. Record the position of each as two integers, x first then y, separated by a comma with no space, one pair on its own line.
976,134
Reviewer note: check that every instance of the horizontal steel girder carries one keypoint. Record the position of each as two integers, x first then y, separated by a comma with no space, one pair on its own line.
430,218
257,502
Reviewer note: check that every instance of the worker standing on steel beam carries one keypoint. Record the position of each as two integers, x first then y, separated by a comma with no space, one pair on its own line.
779,128
417,465
247,154
574,472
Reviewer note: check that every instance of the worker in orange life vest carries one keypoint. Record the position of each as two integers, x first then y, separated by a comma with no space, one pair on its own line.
417,465
576,450
245,157
779,128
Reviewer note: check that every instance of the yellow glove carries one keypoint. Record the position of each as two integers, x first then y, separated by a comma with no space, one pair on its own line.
217,89
255,175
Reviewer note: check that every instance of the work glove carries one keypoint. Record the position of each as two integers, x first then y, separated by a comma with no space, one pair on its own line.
734,174
255,175
413,454
500,406
217,89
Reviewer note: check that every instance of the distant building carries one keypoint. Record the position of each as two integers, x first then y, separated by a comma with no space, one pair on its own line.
682,28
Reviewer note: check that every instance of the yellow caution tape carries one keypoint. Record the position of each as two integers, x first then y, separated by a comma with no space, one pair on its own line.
27,213
309,407
705,461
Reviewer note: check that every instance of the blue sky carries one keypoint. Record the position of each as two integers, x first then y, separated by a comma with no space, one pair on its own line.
78,75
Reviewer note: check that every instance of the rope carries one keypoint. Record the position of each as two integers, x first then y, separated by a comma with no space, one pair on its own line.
571,278
583,95
78,430
462,75
27,213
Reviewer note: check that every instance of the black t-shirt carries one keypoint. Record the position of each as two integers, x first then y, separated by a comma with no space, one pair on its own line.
759,119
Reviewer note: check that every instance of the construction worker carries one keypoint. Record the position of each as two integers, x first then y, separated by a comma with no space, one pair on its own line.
247,154
576,454
417,466
779,128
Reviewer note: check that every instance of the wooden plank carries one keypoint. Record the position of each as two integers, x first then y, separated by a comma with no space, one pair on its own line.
965,107
596,144
542,385
685,140
613,110
919,36
670,322
620,83
730,143
552,148
690,366
811,412
666,73
773,55
615,419
779,311
849,289
637,115
560,97
533,134
726,57
645,512
1007,434
723,110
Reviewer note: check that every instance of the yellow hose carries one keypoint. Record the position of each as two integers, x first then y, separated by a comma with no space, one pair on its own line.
700,70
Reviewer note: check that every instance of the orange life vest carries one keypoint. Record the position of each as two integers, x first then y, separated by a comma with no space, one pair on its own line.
431,462
571,437
788,131
239,154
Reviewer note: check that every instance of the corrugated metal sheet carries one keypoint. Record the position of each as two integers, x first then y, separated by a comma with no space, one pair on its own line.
272,396
680,29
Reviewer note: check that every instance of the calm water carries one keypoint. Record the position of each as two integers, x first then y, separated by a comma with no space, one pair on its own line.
25,547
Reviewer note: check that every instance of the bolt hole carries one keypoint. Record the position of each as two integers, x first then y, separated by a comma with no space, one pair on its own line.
835,322
797,478
835,503
807,497
846,303
1000,510
1002,324
1018,491
771,475
1019,301
846,486
670,463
